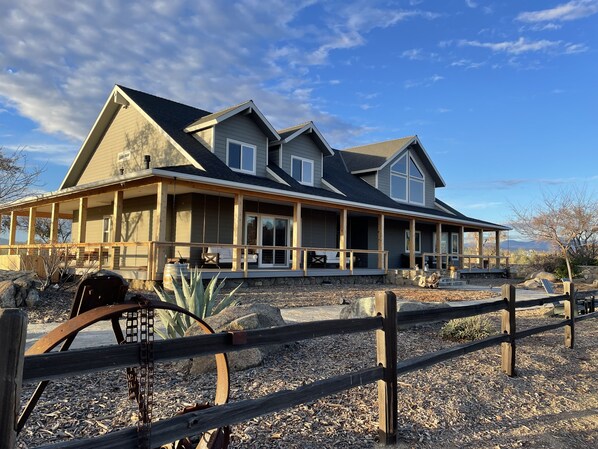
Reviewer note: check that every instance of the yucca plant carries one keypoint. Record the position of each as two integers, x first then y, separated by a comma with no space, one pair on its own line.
467,329
193,297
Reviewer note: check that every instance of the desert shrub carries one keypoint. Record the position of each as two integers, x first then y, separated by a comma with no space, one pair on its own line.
467,329
193,297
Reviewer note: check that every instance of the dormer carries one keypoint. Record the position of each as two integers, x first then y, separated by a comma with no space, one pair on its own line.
300,152
399,168
238,136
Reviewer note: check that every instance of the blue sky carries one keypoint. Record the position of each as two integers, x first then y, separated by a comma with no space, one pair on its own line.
503,94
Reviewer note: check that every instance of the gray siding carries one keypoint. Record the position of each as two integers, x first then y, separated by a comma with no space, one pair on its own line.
384,179
243,129
303,146
319,228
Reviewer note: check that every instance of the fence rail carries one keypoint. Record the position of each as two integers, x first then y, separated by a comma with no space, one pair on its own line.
63,364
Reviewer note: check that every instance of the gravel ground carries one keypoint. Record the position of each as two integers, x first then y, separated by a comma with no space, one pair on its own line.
463,403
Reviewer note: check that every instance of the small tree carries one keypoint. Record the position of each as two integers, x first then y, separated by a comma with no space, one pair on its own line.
16,177
568,220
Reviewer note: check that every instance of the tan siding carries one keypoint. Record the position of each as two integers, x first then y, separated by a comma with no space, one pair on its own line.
205,136
304,147
129,131
243,129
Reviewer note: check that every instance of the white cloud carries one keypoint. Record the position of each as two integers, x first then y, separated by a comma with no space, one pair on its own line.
425,82
523,45
471,4
59,68
573,10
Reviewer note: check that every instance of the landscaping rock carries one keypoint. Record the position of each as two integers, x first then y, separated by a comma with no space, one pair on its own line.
531,283
32,298
236,318
7,295
360,308
544,275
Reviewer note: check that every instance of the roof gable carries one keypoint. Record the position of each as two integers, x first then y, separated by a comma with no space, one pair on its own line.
247,107
288,134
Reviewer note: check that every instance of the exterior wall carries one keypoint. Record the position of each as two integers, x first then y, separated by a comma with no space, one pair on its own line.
274,155
384,179
243,129
370,178
205,136
129,131
319,228
303,146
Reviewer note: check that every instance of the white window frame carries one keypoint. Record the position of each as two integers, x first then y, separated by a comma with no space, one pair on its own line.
408,178
303,160
107,233
242,144
417,251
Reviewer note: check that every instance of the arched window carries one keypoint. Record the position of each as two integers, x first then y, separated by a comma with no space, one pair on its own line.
407,180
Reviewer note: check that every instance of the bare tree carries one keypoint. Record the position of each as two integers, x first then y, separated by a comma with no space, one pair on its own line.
568,220
16,176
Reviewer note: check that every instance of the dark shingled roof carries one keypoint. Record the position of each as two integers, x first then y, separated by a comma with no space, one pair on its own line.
173,117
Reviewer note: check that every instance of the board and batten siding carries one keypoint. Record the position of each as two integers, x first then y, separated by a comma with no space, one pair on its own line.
384,179
243,129
319,228
304,147
129,132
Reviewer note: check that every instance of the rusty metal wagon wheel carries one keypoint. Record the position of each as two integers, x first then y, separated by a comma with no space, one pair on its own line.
67,331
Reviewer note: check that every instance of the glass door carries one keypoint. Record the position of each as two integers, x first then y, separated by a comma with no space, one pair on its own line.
274,232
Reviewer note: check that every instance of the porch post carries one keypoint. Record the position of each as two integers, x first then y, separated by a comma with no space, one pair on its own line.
81,229
497,239
438,246
54,223
155,262
117,214
12,233
342,240
297,236
381,241
31,229
481,247
237,231
412,243
461,246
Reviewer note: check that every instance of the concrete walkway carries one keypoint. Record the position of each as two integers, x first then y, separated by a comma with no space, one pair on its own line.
100,334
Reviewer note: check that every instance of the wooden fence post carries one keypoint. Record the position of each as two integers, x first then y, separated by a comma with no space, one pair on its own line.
13,334
386,345
508,327
570,309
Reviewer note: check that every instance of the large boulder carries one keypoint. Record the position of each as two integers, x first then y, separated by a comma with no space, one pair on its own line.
7,295
539,275
236,318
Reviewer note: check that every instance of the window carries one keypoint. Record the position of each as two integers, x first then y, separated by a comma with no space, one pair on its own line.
418,241
106,229
302,170
455,243
240,156
407,180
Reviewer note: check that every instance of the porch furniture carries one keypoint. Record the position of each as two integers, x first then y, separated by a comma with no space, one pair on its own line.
316,260
217,255
325,258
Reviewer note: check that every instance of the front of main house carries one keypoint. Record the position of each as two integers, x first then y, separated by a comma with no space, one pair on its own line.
157,181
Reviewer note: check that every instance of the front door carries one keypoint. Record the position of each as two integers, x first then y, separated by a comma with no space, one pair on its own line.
274,233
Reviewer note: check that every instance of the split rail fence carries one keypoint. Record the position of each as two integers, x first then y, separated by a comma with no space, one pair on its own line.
16,369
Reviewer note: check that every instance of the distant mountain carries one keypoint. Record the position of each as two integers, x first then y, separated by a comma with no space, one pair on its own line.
514,245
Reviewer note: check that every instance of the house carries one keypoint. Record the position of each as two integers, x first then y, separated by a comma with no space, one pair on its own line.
157,181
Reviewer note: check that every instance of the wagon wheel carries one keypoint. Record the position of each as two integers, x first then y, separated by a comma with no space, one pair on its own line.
67,331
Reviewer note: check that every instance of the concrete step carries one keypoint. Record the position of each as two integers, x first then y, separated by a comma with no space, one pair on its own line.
448,282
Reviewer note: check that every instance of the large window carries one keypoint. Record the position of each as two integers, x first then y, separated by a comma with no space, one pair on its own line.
302,170
407,180
418,241
240,156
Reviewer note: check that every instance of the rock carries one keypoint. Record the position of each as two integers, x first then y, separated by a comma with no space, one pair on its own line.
409,306
545,275
595,283
7,295
236,318
361,308
531,283
32,297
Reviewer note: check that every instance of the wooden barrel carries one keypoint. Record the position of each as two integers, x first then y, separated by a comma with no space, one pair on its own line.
172,273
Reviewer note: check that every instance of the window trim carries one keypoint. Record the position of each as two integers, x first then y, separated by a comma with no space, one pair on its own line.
416,240
242,144
303,159
407,177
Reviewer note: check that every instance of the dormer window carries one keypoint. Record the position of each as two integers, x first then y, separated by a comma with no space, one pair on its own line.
407,180
240,156
302,170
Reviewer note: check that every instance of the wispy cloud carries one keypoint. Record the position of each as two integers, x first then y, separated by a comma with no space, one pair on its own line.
468,64
471,4
573,10
61,154
425,82
484,205
418,54
523,45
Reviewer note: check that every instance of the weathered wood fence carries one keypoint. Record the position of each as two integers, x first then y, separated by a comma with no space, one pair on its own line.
16,369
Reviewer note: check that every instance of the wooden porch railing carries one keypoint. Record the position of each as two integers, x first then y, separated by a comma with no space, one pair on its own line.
464,261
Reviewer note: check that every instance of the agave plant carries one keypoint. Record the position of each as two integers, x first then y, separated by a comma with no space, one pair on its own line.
193,297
